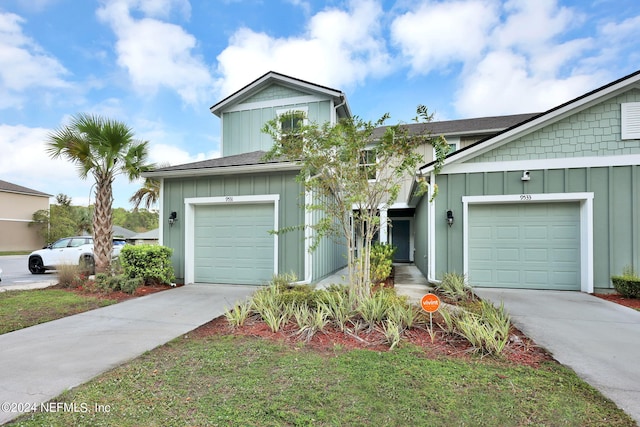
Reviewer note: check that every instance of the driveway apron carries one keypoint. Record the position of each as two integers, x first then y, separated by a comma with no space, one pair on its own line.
40,362
598,339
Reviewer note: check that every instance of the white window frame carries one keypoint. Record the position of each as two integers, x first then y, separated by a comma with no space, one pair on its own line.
451,141
303,110
365,165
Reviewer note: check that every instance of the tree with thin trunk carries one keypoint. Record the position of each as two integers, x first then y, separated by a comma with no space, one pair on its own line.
103,148
352,173
148,194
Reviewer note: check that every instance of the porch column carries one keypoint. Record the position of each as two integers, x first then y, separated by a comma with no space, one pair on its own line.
383,226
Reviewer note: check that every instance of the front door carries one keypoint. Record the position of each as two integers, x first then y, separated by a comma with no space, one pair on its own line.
401,239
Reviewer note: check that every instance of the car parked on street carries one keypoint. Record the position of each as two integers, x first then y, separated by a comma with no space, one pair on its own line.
77,250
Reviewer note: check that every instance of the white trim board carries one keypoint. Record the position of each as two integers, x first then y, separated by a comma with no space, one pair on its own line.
189,230
283,103
539,164
586,225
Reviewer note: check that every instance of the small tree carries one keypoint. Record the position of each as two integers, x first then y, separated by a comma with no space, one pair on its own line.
352,175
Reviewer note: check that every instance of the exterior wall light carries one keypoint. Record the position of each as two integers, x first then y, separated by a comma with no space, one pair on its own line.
450,217
173,217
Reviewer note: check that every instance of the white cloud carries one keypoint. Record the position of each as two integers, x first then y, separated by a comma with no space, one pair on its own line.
25,162
502,84
515,55
157,54
25,64
339,48
437,34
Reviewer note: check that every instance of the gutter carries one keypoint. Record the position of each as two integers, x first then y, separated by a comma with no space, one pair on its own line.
223,170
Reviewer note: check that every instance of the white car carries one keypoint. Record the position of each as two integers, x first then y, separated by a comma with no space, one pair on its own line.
77,250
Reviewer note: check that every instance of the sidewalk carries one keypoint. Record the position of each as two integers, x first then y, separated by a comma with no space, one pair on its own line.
40,362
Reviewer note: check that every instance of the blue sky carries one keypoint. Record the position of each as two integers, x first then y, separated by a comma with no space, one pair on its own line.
158,65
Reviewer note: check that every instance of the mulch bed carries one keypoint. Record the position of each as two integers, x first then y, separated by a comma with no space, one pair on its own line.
627,302
520,350
119,296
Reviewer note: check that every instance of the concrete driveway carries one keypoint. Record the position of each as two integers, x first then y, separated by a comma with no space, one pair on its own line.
40,362
598,339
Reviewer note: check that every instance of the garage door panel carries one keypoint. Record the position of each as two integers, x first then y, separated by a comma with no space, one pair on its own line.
232,243
532,245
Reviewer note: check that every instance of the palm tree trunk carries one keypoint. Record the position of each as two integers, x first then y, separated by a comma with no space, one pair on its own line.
102,226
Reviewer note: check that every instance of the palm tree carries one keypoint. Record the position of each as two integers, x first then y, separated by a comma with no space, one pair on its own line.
103,148
148,194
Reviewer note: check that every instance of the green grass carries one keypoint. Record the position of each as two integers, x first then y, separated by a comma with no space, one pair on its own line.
3,253
21,309
231,381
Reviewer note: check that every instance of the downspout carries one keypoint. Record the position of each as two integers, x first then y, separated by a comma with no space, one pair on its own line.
431,227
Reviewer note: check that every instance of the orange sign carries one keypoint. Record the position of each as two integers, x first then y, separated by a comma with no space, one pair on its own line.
430,303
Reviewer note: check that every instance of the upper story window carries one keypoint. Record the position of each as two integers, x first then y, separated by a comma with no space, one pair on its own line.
630,124
454,145
369,162
292,120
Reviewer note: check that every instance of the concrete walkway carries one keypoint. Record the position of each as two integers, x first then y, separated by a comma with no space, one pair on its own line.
40,362
598,339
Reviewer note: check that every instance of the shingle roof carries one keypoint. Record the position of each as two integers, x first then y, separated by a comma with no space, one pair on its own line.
14,188
474,126
244,159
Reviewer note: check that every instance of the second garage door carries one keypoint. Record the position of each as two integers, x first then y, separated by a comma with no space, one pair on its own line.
232,243
532,246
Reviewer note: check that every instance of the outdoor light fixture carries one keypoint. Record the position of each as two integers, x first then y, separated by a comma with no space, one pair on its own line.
526,176
173,217
450,217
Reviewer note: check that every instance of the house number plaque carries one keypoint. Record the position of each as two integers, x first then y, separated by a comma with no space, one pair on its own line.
525,197
228,199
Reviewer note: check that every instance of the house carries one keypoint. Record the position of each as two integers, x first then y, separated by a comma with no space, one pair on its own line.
218,214
552,202
150,237
543,200
17,206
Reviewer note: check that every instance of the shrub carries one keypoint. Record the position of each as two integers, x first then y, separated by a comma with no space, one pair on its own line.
108,283
237,315
487,331
374,309
310,320
130,285
454,287
628,284
68,276
381,262
266,302
150,263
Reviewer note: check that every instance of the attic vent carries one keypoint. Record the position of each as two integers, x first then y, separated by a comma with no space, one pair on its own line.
630,120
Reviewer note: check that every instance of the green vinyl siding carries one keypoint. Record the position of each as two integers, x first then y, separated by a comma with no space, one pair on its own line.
616,212
592,132
272,92
242,130
291,211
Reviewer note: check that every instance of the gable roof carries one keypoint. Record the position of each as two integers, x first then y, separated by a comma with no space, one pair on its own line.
239,163
541,120
272,77
474,126
8,187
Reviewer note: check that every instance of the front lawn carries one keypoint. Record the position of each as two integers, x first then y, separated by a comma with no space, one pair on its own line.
227,380
21,309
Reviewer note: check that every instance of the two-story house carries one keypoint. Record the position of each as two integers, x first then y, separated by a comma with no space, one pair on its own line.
547,200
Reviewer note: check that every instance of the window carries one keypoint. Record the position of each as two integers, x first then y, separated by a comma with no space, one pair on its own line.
292,120
368,162
630,124
454,145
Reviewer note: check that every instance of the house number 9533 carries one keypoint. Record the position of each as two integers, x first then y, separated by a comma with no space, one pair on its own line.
525,197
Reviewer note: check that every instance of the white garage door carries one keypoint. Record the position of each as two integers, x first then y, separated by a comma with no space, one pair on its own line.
532,246
232,243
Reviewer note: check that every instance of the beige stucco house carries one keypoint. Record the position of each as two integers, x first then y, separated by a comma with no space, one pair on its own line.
17,206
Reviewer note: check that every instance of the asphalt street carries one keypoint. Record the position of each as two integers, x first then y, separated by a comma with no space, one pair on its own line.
16,272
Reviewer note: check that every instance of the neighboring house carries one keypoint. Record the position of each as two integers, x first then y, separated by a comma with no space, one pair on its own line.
122,232
551,203
17,206
217,214
150,237
547,200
